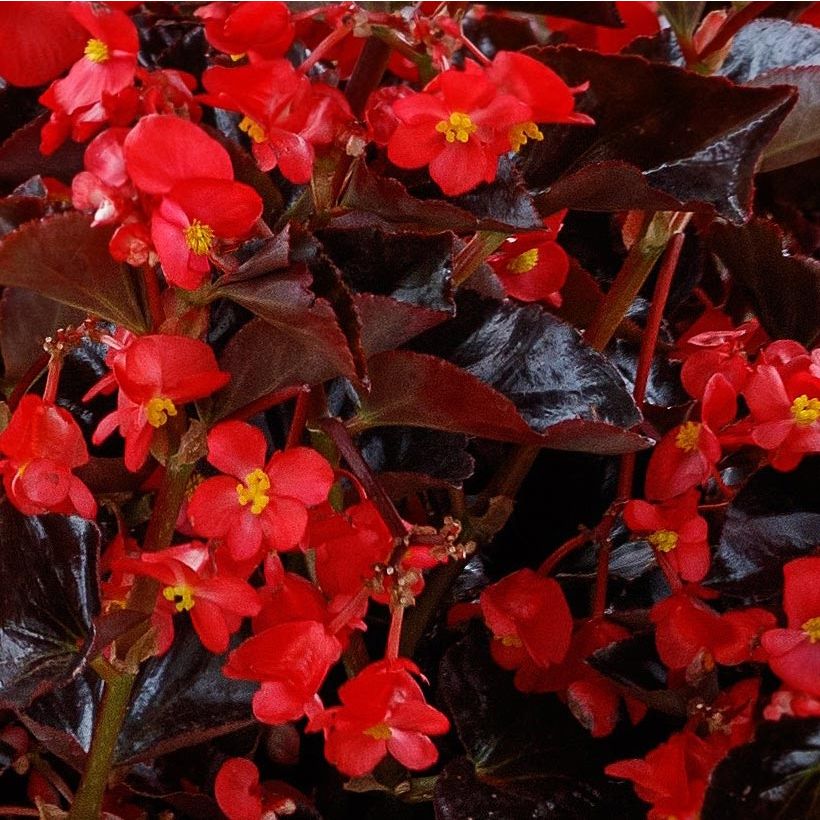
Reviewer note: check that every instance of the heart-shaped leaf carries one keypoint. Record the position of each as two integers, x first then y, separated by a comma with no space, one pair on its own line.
775,777
709,159
774,519
784,290
64,258
48,564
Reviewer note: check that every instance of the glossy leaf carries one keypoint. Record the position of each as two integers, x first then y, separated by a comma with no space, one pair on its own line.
526,756
410,267
774,519
798,139
264,359
51,594
26,318
179,700
784,290
775,777
563,389
708,161
64,258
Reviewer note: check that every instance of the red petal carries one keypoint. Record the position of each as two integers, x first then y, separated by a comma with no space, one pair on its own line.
284,522
412,749
236,448
209,623
186,150
236,789
801,598
229,208
180,266
214,506
300,473
458,168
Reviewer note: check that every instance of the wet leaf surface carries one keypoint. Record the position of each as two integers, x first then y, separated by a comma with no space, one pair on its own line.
51,594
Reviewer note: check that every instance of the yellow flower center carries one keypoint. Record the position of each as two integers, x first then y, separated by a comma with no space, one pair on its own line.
183,592
381,731
253,129
457,127
524,262
96,51
688,437
663,540
254,491
510,640
237,57
199,237
811,629
805,411
158,409
521,134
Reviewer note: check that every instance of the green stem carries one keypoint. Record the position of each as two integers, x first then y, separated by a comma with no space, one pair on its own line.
88,800
630,279
474,254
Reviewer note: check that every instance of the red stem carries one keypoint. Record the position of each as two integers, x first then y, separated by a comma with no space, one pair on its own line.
563,551
153,295
29,377
265,403
297,426
55,365
731,27
626,472
336,36
394,636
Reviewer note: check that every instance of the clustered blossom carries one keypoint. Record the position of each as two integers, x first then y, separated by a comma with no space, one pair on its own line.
276,555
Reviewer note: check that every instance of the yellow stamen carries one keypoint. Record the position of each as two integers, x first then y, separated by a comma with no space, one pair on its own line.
805,411
458,127
183,592
811,629
254,491
96,51
253,129
158,409
511,640
663,540
199,237
524,262
237,57
521,134
688,437
381,731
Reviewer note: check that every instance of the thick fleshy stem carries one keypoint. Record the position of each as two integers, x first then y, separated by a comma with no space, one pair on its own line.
88,799
474,254
567,548
153,296
732,26
297,425
649,342
117,694
328,44
55,365
394,635
347,449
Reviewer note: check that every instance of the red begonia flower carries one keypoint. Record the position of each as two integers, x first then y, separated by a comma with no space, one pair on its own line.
717,346
103,187
593,699
293,598
686,456
676,532
640,19
42,445
459,126
786,703
38,41
532,266
383,711
200,201
794,652
785,412
155,374
285,115
105,69
216,603
263,31
255,502
685,627
291,661
530,620
241,796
